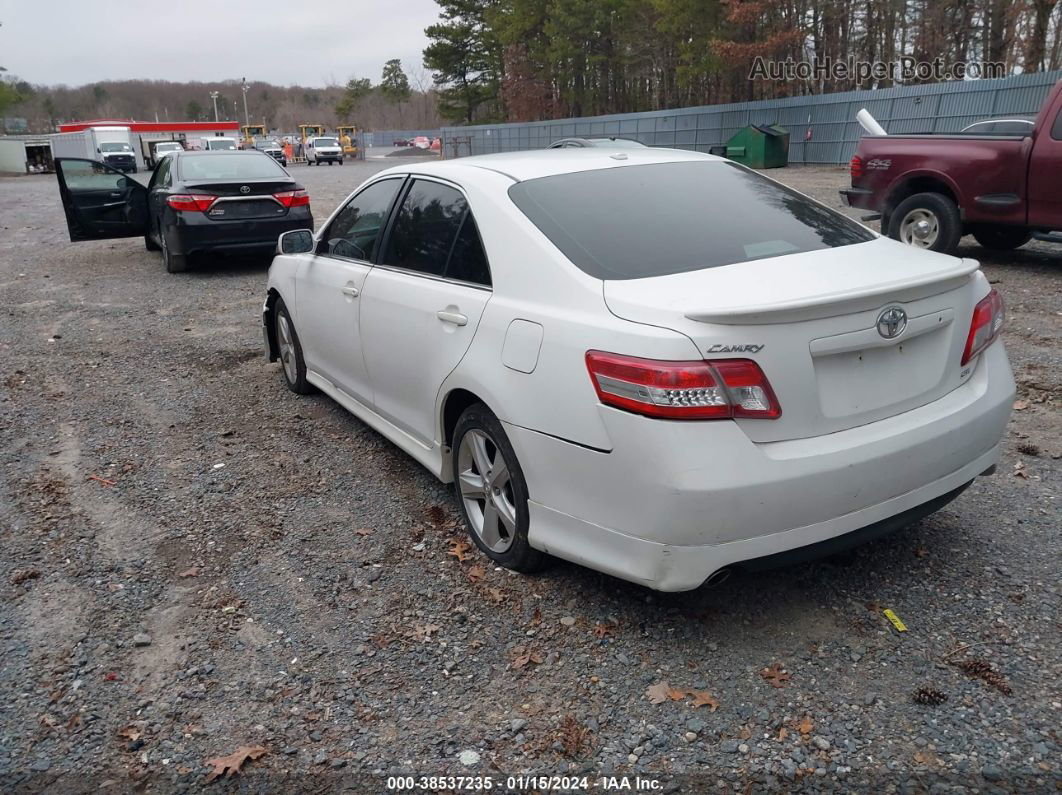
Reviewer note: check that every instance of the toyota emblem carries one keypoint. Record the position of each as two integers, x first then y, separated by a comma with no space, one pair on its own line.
891,322
245,189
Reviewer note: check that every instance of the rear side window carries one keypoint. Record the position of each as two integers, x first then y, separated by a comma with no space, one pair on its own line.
434,233
633,222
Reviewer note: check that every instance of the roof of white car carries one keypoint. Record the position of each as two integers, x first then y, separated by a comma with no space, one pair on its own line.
520,166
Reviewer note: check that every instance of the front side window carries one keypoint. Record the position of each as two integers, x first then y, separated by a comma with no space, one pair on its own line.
356,228
434,233
1056,128
638,221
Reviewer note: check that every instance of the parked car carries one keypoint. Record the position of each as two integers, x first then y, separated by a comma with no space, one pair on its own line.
273,149
422,142
741,375
1000,127
195,202
402,142
323,150
160,150
611,143
930,190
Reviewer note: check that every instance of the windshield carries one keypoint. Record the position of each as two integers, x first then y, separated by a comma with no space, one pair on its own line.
167,147
632,222
268,145
243,165
325,142
115,147
216,144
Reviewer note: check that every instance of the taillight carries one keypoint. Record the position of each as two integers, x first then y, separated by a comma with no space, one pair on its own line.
855,167
190,202
699,390
988,317
293,198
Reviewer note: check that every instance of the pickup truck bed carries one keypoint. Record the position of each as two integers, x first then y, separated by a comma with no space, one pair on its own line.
929,190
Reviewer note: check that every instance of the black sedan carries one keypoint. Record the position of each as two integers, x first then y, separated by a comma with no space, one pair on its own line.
195,202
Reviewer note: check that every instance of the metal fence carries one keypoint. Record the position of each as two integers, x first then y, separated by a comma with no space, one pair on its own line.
822,128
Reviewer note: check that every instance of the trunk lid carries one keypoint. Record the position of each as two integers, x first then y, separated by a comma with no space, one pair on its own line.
236,203
811,322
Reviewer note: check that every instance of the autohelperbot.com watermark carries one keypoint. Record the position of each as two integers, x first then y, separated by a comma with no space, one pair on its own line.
902,70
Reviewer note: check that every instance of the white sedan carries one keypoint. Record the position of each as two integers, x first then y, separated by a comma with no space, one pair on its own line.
655,363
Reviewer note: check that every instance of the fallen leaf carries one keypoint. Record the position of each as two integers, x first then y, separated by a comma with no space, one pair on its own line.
1021,405
24,575
477,573
363,531
192,572
536,617
460,550
806,726
703,699
1019,470
130,733
101,481
496,595
603,630
775,675
522,656
658,693
921,552
230,765
782,734
47,720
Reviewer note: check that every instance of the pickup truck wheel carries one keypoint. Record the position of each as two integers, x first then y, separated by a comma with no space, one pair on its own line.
927,220
491,491
1002,238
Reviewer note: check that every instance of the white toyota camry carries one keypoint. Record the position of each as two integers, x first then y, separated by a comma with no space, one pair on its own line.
655,363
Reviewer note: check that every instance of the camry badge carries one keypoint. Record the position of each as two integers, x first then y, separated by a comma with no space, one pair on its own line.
891,322
245,189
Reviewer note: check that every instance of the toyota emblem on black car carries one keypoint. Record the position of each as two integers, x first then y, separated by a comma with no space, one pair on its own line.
245,189
891,322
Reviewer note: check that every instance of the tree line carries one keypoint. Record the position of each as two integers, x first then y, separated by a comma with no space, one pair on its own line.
524,60
399,100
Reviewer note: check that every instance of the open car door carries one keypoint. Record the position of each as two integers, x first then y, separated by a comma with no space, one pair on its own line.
99,201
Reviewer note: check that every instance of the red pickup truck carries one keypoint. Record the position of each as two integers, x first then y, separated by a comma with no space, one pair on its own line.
930,190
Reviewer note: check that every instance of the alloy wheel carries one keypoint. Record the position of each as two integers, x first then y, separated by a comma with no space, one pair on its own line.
486,490
287,348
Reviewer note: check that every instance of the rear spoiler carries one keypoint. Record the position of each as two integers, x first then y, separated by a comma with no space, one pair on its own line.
839,303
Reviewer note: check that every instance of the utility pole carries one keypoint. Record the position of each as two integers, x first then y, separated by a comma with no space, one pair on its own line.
214,96
246,117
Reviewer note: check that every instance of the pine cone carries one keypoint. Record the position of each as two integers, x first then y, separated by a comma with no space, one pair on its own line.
929,696
975,667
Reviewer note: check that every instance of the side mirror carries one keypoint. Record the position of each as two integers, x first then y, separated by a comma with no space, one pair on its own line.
297,241
122,183
98,151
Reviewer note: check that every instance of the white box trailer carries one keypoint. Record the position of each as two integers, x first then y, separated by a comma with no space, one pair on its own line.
111,145
25,155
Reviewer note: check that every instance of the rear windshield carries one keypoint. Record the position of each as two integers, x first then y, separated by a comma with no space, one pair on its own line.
221,144
244,165
632,222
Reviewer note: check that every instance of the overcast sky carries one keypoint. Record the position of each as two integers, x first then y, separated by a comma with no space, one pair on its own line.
304,42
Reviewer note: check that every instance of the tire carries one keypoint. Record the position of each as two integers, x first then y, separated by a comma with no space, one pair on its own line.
175,263
292,363
1002,238
340,162
480,443
150,244
943,226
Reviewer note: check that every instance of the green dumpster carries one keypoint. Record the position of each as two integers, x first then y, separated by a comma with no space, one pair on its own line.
760,146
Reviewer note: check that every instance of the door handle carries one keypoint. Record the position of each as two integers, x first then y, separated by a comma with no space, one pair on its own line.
456,318
350,291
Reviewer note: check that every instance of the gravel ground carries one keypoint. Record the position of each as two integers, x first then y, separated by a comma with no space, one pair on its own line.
196,560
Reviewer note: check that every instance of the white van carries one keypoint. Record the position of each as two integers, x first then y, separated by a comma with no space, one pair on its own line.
323,149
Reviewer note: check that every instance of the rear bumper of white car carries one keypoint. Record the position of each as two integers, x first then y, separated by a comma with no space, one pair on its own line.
674,502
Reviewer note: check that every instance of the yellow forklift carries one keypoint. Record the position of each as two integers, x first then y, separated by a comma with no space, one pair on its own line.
348,139
310,131
250,133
